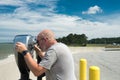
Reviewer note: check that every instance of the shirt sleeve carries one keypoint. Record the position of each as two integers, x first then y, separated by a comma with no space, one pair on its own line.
49,59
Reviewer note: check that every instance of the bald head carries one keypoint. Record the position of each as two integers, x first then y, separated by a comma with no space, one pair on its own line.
48,34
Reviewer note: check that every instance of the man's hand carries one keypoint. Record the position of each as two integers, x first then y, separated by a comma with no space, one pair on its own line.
39,51
20,47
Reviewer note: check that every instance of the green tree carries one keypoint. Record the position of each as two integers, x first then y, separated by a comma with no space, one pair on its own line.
74,39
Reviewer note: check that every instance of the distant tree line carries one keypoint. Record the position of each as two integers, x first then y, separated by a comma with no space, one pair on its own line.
74,39
105,40
81,40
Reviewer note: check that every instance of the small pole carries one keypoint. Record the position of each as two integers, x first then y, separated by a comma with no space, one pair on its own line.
83,70
94,73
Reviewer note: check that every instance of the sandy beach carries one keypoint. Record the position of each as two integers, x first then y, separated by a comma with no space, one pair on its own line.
107,61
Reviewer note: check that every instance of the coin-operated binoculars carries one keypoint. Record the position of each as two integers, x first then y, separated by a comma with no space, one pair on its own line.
29,41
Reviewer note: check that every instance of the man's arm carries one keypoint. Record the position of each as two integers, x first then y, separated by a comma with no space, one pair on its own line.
32,64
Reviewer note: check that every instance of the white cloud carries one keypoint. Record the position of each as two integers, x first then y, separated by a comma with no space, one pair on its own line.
93,10
26,21
19,2
11,2
62,25
49,5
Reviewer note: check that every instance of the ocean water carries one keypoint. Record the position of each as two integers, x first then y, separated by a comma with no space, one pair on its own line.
6,50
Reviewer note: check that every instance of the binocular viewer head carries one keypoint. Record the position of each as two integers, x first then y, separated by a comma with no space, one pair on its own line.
28,40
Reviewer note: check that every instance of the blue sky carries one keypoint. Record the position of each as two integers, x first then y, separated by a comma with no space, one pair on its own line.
94,18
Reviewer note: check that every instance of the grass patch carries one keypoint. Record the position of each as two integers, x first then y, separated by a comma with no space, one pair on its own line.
95,45
89,45
112,46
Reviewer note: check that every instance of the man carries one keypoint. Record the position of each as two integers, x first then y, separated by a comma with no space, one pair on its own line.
57,61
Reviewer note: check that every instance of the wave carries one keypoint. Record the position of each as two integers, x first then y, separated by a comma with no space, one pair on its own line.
8,59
